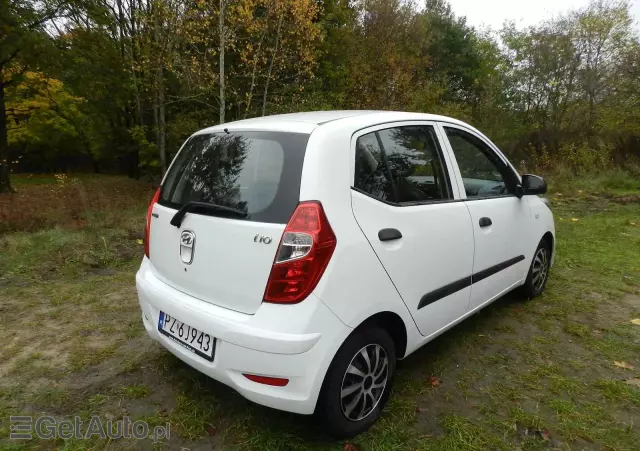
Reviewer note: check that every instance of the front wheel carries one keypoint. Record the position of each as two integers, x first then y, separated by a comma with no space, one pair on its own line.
357,383
538,271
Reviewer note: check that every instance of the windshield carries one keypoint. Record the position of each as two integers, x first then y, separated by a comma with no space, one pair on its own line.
254,172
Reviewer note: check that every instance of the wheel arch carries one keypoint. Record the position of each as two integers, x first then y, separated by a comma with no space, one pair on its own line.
548,236
393,324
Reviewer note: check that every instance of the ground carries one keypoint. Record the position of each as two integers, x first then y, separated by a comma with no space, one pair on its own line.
559,372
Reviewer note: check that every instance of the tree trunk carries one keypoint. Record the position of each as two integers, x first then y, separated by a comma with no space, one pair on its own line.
5,180
162,144
221,31
159,110
275,54
253,74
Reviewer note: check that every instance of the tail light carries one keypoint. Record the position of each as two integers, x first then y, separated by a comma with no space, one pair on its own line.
303,254
147,227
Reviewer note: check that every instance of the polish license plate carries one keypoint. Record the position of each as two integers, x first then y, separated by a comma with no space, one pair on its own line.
187,336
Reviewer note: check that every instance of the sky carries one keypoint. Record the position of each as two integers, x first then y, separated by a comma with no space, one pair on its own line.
524,12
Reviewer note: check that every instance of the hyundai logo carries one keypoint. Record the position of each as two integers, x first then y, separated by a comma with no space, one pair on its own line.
187,243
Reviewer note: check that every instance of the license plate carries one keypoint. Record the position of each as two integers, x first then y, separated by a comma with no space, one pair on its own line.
187,336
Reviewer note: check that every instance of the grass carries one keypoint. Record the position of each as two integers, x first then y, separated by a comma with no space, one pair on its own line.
519,375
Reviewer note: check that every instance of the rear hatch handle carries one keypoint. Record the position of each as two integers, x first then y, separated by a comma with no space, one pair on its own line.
193,205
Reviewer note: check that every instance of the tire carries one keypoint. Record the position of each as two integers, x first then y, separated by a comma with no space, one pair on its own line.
534,286
348,416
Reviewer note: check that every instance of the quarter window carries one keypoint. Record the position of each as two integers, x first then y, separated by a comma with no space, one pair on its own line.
483,173
401,165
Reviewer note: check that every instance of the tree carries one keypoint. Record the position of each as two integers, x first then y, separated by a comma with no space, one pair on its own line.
139,76
44,119
23,24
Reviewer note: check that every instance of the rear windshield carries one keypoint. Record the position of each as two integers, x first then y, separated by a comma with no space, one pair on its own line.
256,172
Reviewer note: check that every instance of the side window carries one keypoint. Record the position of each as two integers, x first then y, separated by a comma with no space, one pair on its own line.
483,173
402,165
371,175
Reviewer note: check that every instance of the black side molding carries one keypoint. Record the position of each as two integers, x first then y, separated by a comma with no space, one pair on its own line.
389,234
443,292
480,275
461,284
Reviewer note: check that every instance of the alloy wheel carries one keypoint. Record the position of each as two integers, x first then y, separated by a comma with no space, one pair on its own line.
364,382
540,268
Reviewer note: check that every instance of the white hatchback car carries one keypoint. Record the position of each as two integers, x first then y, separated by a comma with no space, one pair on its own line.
296,257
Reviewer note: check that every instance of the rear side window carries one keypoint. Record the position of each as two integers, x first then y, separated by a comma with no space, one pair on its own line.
256,172
371,174
401,165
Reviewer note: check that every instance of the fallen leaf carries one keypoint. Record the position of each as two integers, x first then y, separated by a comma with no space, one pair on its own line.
434,381
419,409
545,435
139,241
636,321
427,435
574,219
211,430
624,365
351,447
635,382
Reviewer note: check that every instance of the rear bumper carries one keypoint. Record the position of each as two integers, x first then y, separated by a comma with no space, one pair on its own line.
296,342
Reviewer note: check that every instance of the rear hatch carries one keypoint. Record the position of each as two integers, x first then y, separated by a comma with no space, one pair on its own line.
237,191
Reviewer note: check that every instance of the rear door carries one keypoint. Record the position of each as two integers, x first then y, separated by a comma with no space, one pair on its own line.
406,206
215,254
500,219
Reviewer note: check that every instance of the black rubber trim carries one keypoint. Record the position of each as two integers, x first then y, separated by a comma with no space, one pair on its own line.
461,284
481,275
408,204
430,202
445,291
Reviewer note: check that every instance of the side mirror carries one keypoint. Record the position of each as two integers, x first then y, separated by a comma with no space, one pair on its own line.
533,184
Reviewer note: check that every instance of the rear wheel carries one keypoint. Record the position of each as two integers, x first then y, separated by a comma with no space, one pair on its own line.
357,383
538,271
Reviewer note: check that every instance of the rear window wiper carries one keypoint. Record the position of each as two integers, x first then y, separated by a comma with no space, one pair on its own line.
191,206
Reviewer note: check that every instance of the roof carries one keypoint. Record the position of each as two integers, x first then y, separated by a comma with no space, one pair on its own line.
310,117
306,122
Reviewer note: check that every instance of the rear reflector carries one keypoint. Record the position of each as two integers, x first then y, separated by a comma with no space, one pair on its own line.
303,254
275,381
147,227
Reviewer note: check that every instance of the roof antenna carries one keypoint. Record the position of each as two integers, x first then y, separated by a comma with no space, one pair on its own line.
226,130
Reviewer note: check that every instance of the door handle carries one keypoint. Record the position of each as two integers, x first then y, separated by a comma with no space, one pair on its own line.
389,234
485,222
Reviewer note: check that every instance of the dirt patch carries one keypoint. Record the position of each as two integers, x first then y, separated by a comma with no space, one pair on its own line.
624,200
633,300
68,201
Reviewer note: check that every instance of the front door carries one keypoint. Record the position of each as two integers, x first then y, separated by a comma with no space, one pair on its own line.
500,219
404,202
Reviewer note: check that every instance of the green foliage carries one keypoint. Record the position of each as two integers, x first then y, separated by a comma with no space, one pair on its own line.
43,114
147,150
118,86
